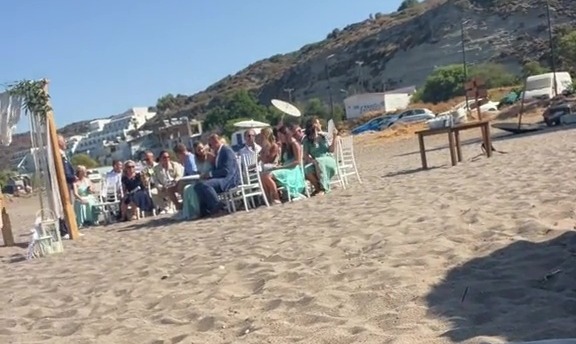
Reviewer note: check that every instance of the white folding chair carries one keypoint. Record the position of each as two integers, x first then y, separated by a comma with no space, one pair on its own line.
110,198
346,160
251,183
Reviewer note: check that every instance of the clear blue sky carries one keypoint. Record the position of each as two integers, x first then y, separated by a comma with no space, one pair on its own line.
103,57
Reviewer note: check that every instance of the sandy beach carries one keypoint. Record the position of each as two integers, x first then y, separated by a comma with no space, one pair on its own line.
481,252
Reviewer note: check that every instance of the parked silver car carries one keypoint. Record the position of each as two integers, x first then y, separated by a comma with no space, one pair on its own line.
409,116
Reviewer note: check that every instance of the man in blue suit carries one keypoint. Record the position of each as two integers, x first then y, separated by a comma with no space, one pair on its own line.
224,176
68,168
70,179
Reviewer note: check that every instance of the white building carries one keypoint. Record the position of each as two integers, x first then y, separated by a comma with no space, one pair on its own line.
359,104
114,129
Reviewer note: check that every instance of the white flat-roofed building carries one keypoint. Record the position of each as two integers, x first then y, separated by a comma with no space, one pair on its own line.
113,129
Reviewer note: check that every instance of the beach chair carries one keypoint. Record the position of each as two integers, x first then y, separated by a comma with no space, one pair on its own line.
346,161
250,186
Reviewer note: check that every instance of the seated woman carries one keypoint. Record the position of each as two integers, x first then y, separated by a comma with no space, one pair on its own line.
84,199
270,153
136,194
289,174
320,163
204,163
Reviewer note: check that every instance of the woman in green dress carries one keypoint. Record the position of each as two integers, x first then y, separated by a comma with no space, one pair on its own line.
84,199
204,163
289,174
319,156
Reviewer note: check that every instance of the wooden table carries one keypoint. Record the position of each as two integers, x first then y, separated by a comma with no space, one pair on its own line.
454,144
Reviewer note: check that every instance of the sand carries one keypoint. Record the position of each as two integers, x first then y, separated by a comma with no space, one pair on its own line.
481,252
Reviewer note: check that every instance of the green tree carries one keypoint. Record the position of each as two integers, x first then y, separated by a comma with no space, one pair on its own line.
5,175
84,160
567,49
166,102
443,84
406,4
448,82
494,75
533,68
316,107
241,105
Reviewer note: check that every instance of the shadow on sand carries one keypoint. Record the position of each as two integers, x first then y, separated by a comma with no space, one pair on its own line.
524,291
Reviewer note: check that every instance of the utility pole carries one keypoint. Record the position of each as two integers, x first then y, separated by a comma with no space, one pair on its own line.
359,67
289,91
327,71
551,42
464,63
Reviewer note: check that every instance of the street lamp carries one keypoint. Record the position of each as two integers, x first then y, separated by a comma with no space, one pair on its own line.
329,83
551,42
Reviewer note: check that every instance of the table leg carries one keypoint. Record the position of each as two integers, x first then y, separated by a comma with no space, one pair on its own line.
422,152
488,140
458,145
452,148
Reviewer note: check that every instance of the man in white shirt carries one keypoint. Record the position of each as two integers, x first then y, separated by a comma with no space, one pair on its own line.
251,147
114,177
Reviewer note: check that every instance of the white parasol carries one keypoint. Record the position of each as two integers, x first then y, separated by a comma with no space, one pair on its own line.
331,129
251,124
286,108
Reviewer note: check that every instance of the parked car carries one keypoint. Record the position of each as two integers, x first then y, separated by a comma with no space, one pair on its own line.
409,116
554,113
372,125
94,176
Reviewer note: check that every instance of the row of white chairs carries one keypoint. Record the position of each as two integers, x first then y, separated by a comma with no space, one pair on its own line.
251,187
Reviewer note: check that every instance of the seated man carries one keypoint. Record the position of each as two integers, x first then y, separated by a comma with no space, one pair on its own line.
222,178
114,177
251,147
166,176
187,159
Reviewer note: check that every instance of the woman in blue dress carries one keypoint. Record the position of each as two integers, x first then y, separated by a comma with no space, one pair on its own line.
288,174
204,164
84,199
319,155
136,195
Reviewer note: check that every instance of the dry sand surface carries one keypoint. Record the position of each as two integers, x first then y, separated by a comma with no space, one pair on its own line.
484,251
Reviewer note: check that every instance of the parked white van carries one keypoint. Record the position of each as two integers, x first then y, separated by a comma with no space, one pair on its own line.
542,86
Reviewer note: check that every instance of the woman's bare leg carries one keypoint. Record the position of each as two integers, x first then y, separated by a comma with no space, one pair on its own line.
313,179
123,210
270,188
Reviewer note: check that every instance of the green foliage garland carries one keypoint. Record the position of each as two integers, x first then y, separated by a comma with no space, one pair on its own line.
36,99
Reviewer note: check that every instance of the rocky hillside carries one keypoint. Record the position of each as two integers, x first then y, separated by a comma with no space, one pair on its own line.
395,50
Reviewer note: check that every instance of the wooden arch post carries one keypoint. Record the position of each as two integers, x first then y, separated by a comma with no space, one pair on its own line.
69,215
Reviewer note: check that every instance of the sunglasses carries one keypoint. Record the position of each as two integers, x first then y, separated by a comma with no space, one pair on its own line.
165,157
130,166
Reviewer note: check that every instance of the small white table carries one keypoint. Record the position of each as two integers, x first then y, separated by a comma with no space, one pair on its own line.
192,177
